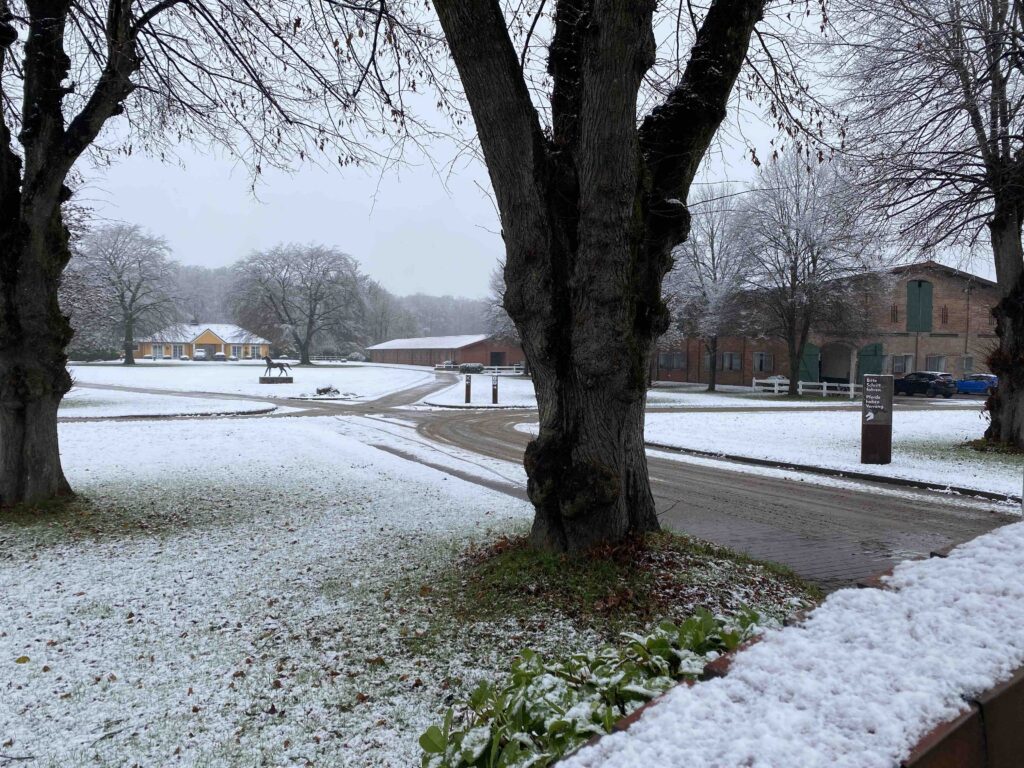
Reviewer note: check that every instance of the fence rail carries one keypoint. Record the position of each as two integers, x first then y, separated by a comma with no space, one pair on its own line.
494,370
823,388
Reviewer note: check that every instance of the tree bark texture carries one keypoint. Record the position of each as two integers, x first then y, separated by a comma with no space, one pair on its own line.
590,213
129,343
34,245
713,365
1006,404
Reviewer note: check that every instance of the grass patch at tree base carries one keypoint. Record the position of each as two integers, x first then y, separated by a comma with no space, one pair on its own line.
624,587
983,445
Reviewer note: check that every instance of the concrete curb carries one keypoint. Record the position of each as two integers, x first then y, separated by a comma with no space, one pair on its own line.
843,473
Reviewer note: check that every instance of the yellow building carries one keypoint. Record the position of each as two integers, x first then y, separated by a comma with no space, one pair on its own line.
210,341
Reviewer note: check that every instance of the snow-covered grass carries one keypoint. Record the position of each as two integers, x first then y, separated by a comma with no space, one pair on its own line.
927,445
517,392
259,591
513,392
858,684
366,382
98,404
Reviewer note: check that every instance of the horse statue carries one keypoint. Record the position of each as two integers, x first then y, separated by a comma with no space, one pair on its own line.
282,368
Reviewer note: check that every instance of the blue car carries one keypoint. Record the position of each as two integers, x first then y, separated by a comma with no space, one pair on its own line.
977,384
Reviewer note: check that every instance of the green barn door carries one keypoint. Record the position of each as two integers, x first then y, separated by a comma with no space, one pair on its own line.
810,363
870,361
919,306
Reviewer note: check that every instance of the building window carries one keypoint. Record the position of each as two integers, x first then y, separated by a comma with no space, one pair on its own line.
671,361
935,363
902,363
763,362
894,313
176,351
967,364
944,315
236,350
731,361
919,306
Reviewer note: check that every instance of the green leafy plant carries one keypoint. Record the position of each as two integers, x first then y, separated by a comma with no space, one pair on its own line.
548,708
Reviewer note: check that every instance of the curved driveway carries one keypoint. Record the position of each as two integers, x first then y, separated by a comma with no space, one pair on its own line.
834,532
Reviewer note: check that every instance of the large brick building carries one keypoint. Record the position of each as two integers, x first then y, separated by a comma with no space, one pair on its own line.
935,318
434,350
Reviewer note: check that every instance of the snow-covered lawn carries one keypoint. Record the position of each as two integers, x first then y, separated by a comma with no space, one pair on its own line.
517,392
251,592
106,403
233,596
927,445
858,684
513,392
366,382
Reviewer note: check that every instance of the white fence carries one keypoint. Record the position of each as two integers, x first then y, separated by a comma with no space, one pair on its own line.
494,370
823,388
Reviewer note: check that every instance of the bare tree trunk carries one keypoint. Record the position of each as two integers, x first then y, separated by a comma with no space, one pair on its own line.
590,214
713,368
1006,405
129,343
795,353
33,373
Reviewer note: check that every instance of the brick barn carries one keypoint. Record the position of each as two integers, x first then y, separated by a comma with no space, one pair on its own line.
935,318
434,350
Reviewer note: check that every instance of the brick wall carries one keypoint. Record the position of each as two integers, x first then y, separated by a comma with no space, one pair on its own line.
962,335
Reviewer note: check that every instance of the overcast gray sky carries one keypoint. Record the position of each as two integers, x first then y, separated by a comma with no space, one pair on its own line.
407,230
410,230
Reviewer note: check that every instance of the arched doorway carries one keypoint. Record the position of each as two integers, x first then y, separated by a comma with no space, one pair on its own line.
837,360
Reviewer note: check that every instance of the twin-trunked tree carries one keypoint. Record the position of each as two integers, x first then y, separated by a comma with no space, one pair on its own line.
591,207
269,81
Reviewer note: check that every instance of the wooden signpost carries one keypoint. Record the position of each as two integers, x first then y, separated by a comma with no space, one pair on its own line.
469,386
876,421
494,389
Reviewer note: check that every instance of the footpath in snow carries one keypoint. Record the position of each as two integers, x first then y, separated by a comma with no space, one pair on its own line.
353,381
858,684
927,445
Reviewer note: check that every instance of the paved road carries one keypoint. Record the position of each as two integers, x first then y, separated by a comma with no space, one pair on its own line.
832,532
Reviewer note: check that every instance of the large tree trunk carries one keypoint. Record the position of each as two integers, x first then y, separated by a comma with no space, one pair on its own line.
1006,405
590,214
713,368
33,373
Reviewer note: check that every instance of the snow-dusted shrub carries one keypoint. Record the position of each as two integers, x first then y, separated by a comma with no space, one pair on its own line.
471,368
550,707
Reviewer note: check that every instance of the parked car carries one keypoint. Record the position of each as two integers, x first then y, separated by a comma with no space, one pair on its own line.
977,384
233,359
200,354
186,358
355,357
930,383
219,357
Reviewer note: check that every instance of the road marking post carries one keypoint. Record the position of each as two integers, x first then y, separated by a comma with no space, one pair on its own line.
494,389
468,386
